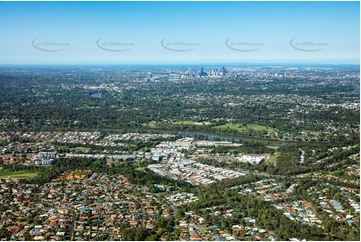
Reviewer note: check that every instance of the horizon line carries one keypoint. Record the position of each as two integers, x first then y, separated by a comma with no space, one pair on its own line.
181,64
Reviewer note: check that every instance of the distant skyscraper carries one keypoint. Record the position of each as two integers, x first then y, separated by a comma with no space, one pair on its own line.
224,72
202,73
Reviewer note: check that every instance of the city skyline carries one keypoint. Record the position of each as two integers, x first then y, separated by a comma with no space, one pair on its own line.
177,33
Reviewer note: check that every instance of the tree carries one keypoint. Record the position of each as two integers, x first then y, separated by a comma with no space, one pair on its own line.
4,233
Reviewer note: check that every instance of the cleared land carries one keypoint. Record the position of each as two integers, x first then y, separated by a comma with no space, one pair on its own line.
152,125
141,168
191,123
17,174
83,149
273,158
240,127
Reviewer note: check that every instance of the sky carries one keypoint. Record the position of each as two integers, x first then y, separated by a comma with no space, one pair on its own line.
179,32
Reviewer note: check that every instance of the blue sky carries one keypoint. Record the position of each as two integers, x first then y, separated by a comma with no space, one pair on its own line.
192,32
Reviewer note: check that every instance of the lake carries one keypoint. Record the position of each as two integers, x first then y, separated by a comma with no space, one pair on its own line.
96,95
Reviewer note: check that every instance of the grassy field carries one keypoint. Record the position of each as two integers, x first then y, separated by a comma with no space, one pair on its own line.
240,127
82,149
152,125
273,158
273,147
141,168
191,123
17,174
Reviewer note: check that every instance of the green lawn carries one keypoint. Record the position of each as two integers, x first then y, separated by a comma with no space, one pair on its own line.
273,158
152,125
240,127
191,123
237,127
260,127
83,149
273,147
141,168
17,174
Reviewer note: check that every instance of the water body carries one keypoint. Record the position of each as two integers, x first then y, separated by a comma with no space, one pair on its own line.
336,204
96,95
211,136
